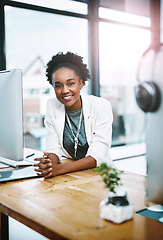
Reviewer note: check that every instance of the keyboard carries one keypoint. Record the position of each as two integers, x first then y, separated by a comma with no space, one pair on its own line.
2,165
13,163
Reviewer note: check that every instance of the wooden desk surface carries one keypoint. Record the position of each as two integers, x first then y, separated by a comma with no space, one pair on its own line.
67,207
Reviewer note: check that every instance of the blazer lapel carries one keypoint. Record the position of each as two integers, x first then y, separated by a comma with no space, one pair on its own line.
60,122
87,118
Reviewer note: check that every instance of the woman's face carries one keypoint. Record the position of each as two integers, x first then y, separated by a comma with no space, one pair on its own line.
67,87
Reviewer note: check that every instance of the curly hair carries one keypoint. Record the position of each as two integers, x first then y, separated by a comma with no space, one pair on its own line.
69,60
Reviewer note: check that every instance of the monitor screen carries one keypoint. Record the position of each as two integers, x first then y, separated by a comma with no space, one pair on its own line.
11,114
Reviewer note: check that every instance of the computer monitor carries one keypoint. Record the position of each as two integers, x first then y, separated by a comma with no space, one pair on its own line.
151,74
11,115
154,139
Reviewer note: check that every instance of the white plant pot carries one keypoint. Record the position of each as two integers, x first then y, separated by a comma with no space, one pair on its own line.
116,207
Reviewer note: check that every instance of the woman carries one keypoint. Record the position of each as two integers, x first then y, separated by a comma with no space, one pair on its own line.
78,126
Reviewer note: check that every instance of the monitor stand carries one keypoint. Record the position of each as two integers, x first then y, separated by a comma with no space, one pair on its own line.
157,208
155,212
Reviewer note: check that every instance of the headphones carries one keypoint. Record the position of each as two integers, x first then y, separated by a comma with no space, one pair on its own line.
147,93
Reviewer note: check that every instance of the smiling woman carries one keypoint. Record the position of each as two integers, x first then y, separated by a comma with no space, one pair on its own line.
79,127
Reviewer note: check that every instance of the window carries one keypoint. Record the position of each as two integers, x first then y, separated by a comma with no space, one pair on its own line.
32,38
31,34
120,51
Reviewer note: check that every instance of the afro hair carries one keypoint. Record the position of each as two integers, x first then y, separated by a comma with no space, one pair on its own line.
69,60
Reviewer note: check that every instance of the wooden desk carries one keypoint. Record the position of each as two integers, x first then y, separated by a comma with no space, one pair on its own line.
67,207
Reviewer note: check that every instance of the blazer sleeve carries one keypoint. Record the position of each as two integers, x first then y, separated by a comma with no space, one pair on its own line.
52,144
102,119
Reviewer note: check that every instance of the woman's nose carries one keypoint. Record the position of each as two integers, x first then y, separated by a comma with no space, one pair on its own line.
65,89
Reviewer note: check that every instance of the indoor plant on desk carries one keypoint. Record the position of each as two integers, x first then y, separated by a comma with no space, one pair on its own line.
115,207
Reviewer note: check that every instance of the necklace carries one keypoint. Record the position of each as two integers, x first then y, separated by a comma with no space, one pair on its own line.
77,134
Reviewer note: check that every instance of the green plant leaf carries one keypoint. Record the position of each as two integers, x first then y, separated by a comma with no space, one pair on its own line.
110,176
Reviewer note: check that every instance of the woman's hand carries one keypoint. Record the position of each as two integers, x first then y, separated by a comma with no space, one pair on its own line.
48,165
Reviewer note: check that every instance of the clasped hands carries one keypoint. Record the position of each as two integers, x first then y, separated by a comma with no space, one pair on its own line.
47,167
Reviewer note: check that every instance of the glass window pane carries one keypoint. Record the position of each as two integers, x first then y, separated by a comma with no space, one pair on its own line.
120,51
30,34
32,38
66,5
124,17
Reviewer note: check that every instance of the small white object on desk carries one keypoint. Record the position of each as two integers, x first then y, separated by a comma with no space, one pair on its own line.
116,207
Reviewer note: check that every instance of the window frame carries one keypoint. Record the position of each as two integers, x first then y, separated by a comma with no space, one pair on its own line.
93,29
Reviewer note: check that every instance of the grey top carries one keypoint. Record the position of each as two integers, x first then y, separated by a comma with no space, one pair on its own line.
68,139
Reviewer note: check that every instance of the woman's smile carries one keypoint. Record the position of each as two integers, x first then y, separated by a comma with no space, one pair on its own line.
67,97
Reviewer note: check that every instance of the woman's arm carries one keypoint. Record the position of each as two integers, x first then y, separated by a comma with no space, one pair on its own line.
49,166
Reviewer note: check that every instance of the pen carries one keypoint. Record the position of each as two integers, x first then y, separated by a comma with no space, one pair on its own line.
30,155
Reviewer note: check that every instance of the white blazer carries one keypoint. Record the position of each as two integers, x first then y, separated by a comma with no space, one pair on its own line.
98,120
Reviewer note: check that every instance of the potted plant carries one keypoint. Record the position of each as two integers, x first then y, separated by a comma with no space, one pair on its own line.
116,206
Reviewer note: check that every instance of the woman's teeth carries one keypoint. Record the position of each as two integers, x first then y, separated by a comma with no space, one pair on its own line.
68,97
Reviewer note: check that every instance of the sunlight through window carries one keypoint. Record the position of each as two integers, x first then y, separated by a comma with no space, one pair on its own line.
124,17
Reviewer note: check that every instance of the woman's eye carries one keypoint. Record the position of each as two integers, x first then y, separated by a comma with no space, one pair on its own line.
57,86
70,84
